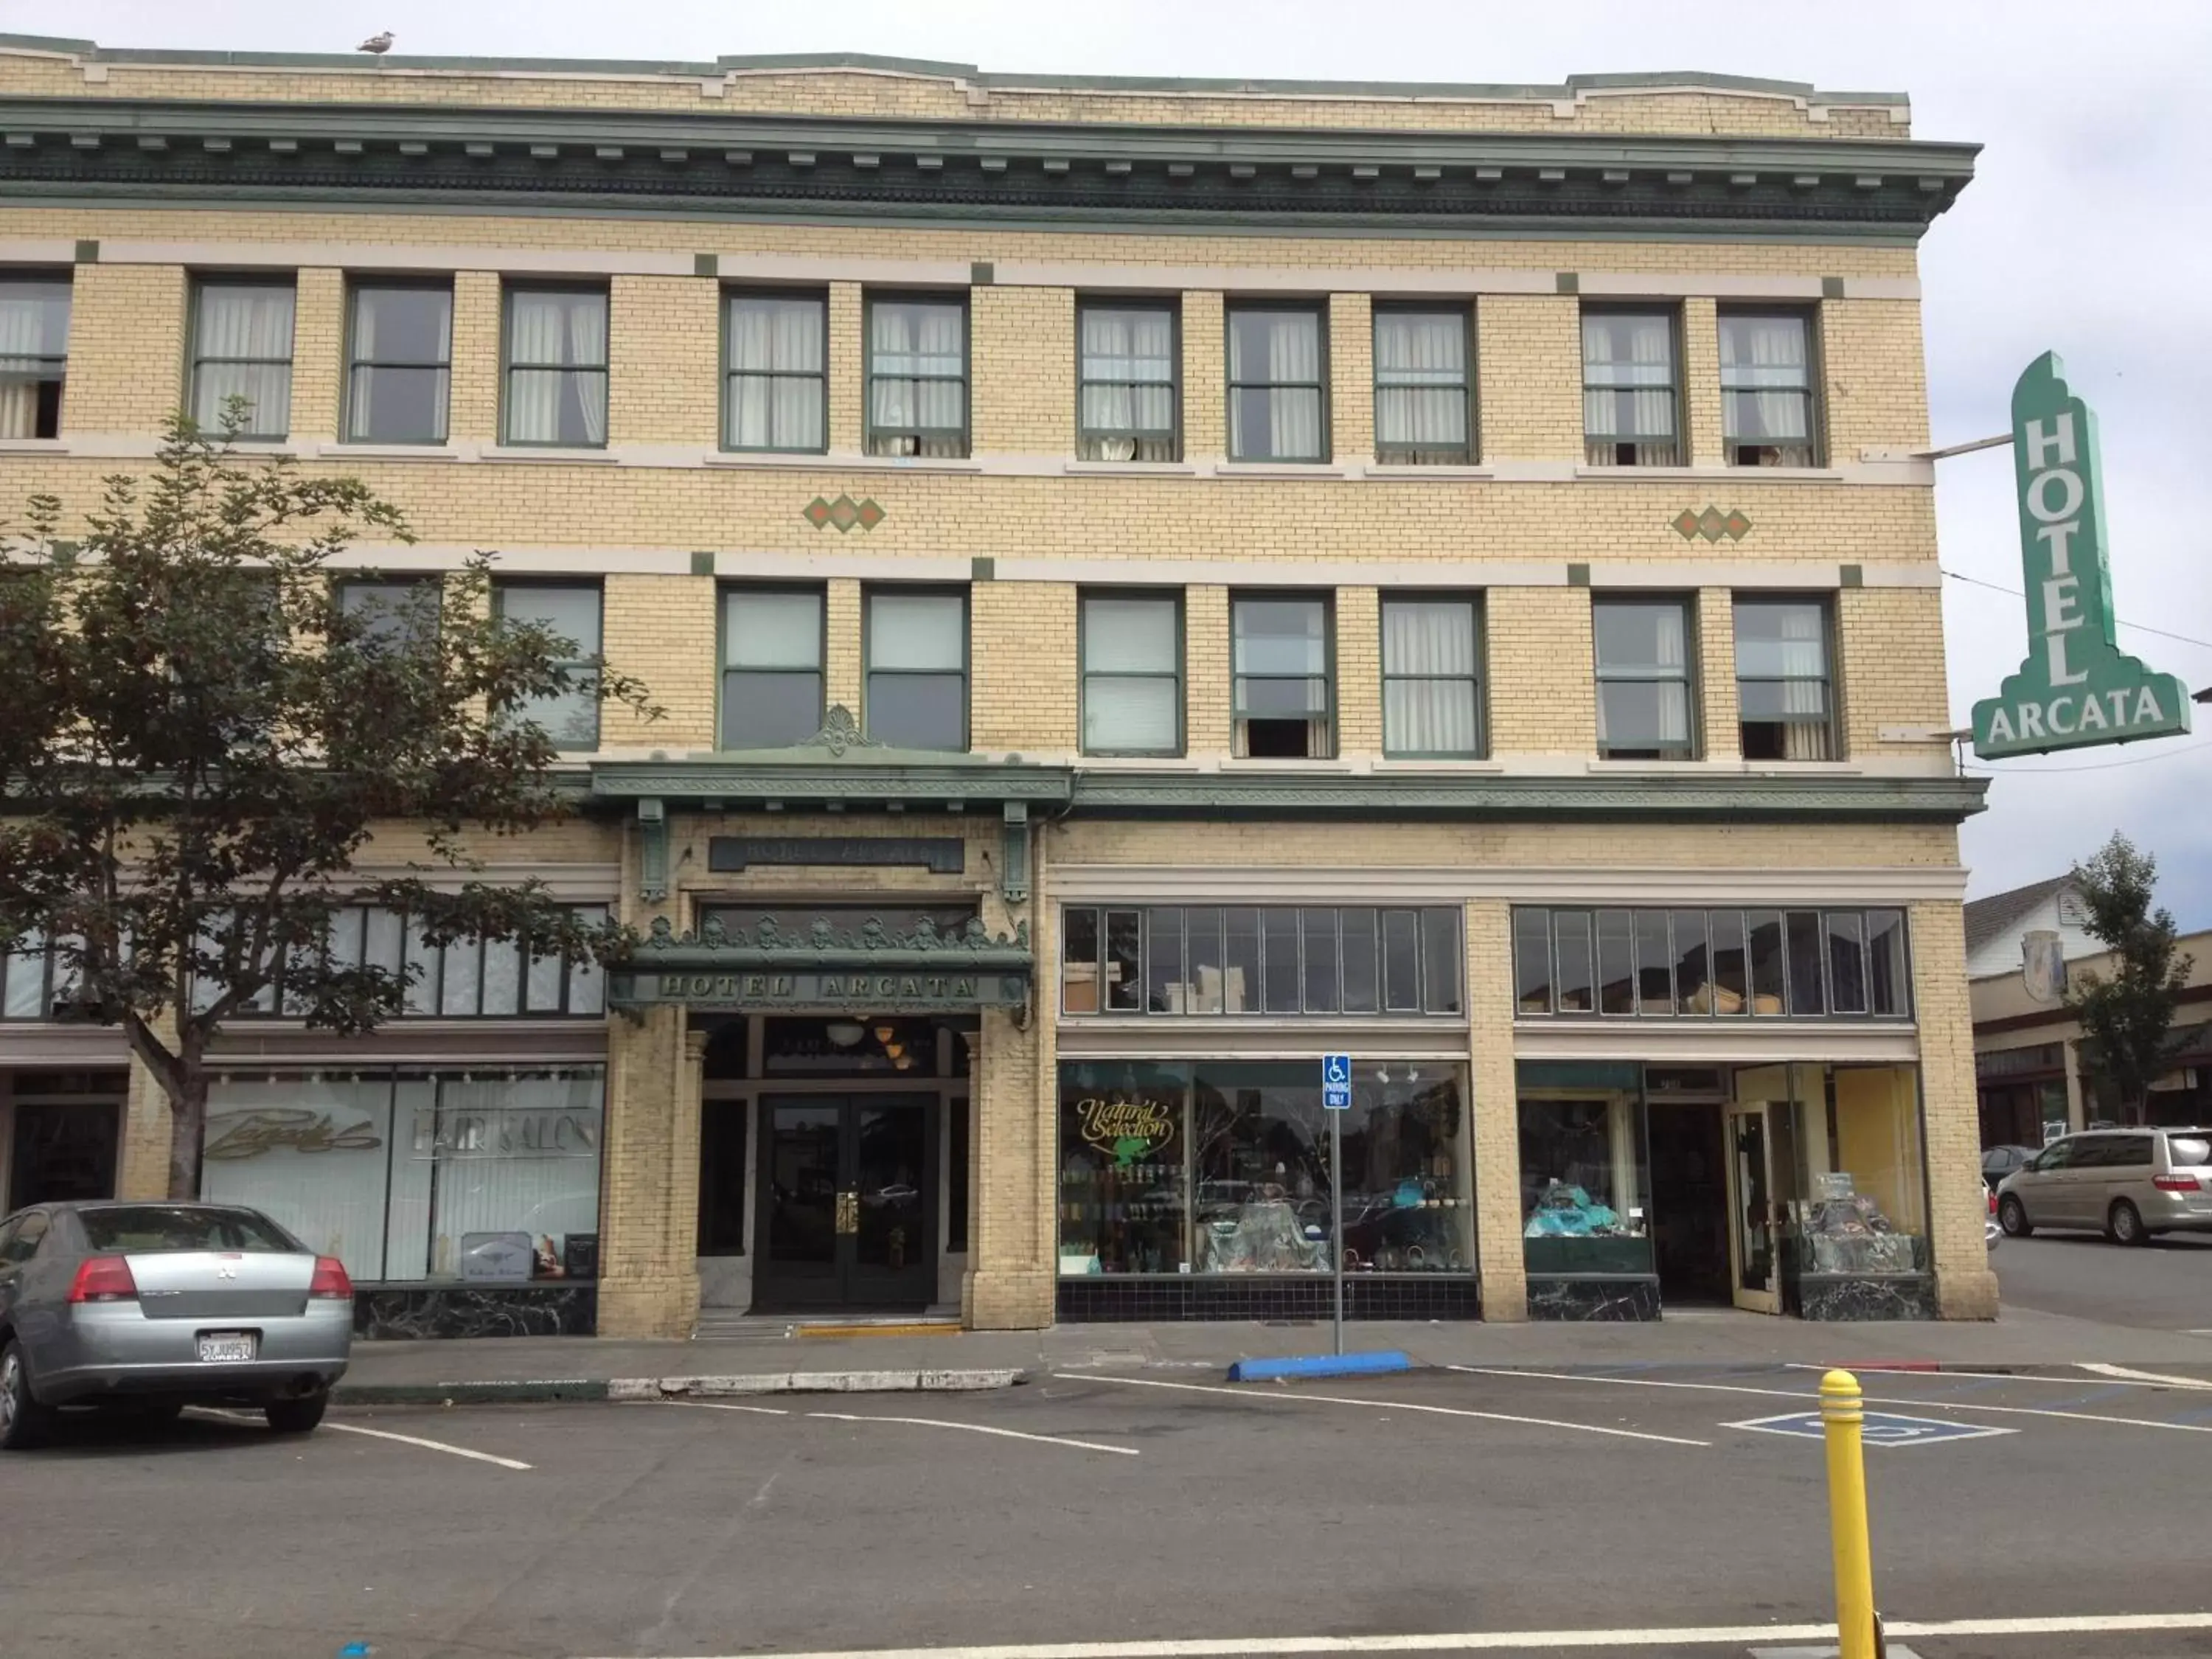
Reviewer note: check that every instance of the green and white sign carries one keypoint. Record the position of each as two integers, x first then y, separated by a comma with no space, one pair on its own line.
2077,688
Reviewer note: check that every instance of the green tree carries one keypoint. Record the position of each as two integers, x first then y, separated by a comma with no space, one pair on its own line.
2126,1017
198,737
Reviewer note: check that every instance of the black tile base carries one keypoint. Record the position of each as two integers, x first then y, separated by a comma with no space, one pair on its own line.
1839,1297
444,1311
1621,1300
1104,1298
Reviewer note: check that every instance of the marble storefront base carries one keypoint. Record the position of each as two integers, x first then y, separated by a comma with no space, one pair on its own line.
1846,1297
1099,1298
1624,1298
449,1311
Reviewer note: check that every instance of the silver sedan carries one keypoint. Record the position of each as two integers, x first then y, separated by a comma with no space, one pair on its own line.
155,1306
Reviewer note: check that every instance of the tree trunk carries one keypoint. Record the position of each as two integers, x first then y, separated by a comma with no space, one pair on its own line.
187,1131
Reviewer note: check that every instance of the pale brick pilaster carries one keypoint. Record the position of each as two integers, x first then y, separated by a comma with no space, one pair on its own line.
664,359
648,1275
1715,678
1024,699
1351,377
317,353
841,680
1022,370
1205,378
1543,676
472,406
1358,671
1701,386
126,350
847,367
1965,1286
1528,355
1206,690
1494,1112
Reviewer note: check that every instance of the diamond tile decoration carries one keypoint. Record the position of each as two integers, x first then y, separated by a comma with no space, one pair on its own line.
871,515
817,513
1712,524
1737,525
843,512
1686,523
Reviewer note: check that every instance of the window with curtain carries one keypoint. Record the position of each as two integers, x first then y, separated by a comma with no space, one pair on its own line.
1630,394
1132,674
777,374
399,364
771,666
1783,682
917,680
917,377
556,367
242,348
1431,691
1278,385
1280,655
1422,401
570,717
1125,403
1766,389
34,323
1642,678
396,613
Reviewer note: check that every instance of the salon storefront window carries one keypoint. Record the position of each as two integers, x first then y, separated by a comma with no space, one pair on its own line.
1215,1168
485,1177
1585,1184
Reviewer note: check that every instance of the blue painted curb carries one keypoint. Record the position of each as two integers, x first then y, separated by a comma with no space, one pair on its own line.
1320,1364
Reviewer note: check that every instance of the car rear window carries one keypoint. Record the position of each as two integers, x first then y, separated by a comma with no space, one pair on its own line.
2189,1151
148,1227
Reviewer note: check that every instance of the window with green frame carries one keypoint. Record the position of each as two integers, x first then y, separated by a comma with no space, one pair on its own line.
1432,676
556,367
917,668
1132,674
569,611
917,377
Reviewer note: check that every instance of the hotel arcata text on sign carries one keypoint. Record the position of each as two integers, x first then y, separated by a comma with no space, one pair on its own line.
2076,688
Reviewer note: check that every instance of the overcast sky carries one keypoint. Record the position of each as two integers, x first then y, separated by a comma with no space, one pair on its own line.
2085,232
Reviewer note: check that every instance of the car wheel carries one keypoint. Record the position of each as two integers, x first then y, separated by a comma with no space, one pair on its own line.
297,1416
2012,1216
2124,1226
23,1420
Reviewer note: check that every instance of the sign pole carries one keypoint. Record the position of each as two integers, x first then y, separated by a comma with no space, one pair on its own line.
1336,1208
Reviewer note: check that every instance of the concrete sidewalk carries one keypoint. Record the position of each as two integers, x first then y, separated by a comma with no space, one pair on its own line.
763,1355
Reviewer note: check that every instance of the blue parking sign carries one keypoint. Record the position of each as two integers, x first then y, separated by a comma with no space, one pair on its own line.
1336,1082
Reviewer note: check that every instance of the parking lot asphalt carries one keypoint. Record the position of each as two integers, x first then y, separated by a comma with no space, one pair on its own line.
1089,1508
2163,1285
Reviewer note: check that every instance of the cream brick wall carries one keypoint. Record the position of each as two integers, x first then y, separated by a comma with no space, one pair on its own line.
1359,670
1529,354
1701,379
664,361
1717,694
473,409
1965,1286
662,629
1024,693
847,357
319,325
126,365
1204,377
1543,672
1891,667
1494,1112
649,1175
1874,376
1351,377
1207,689
1023,370
841,665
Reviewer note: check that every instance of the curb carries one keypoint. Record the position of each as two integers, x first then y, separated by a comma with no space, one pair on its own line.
546,1390
1342,1365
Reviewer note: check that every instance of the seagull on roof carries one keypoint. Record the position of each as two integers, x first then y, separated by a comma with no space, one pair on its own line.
378,44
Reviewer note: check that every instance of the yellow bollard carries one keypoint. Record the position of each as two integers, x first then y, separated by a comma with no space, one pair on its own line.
1841,1416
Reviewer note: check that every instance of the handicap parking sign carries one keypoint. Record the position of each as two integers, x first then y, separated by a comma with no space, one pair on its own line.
1336,1082
1879,1429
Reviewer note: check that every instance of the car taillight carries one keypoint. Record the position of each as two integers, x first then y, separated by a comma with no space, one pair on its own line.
1993,1203
2174,1183
330,1280
103,1279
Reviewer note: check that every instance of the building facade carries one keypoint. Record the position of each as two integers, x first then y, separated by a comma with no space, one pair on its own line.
1151,584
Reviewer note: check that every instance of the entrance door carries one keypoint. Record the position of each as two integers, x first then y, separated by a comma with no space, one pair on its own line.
848,1193
1753,1233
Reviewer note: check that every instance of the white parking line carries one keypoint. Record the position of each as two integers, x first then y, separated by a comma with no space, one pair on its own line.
1382,1405
1871,1400
978,1428
716,1406
2158,1379
2135,1379
386,1434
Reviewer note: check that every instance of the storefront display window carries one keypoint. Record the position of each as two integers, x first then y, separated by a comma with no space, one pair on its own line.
1583,1183
1170,959
1223,1167
486,1176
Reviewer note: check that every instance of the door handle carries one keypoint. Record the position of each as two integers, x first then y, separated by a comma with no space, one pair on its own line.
848,1212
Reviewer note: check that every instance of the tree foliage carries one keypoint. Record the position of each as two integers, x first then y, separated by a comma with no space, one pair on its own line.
2126,1017
199,737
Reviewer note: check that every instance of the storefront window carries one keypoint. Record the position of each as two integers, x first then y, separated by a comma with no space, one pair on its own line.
484,1176
1867,1211
1221,1167
1583,1185
1167,959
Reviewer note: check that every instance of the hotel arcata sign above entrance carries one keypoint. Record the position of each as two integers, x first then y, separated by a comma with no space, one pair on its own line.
2076,689
826,968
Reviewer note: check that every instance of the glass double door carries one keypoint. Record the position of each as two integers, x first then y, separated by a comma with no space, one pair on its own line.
849,1187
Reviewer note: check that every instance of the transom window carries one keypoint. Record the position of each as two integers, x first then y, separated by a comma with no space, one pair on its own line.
1278,384
917,684
1642,678
571,716
775,396
1132,674
917,377
1766,389
242,348
1783,691
556,367
1422,401
1798,964
34,325
1631,394
1431,689
772,642
1271,959
1280,665
399,367
1127,403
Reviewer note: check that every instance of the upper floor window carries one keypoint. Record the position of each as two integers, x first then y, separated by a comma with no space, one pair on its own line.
917,673
1642,678
1784,694
34,324
556,367
1422,397
1766,389
1432,691
37,980
772,646
570,716
1631,395
917,377
1132,674
242,348
1127,403
395,613
776,391
399,363
1278,384
1279,659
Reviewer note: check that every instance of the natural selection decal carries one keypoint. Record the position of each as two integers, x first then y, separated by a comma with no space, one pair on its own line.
1132,1130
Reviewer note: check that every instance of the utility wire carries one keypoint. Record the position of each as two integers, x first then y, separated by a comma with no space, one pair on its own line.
2105,766
2141,627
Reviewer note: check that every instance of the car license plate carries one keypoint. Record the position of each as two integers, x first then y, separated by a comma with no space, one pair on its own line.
227,1348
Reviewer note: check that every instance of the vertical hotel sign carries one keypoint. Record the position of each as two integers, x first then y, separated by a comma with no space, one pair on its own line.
2077,688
